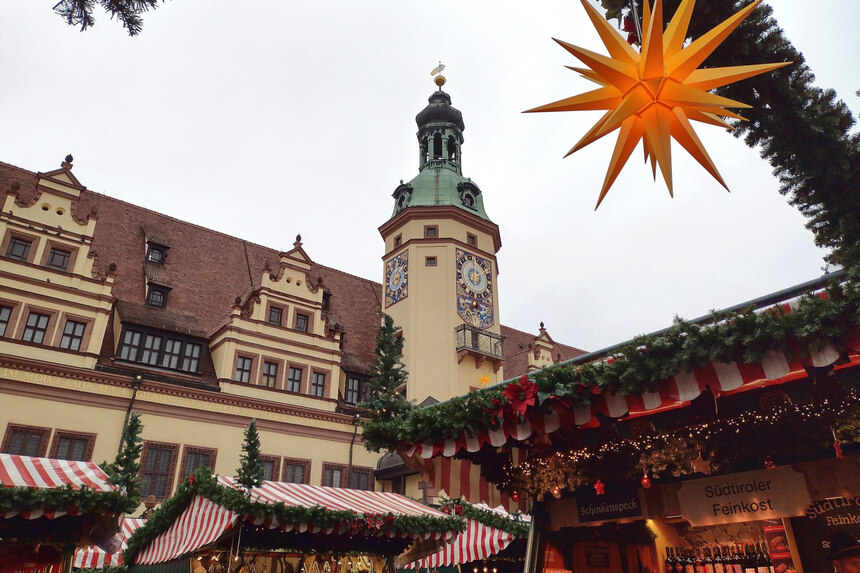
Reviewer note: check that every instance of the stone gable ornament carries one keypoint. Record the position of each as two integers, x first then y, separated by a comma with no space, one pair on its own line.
652,95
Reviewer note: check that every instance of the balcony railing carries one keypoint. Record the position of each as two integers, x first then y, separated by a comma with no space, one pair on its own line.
480,342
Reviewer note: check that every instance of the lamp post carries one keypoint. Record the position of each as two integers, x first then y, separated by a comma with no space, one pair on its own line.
136,383
355,421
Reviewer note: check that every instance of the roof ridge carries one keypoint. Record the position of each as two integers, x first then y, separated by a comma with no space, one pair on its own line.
373,282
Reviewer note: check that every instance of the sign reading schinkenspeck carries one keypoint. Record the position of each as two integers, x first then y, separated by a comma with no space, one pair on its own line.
749,496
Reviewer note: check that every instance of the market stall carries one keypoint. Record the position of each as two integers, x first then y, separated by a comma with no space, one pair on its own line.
285,527
49,507
94,557
712,440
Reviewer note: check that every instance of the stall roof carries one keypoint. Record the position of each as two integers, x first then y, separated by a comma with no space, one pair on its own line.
94,557
208,507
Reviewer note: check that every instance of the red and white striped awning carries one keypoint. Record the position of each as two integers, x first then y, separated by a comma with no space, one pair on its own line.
94,557
204,522
46,473
477,543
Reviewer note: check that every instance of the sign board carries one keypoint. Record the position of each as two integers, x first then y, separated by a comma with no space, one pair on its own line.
597,556
618,501
748,496
824,519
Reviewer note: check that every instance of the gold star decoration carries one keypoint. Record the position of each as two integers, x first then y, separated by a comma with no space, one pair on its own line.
701,465
484,380
652,95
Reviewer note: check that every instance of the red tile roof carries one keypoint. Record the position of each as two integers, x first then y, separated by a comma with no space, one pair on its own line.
517,346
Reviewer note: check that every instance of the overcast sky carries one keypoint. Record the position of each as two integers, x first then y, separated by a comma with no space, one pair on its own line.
270,118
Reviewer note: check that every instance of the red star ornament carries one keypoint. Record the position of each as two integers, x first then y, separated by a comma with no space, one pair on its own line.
599,487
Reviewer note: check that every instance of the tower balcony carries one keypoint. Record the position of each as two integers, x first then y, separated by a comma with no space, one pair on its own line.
481,344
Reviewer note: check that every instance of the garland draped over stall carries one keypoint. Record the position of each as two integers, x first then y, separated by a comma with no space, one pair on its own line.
646,364
83,499
202,482
513,523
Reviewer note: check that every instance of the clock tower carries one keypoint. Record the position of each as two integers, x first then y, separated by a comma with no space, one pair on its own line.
440,266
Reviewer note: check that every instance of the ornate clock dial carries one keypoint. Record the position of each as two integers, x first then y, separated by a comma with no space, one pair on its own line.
396,279
474,290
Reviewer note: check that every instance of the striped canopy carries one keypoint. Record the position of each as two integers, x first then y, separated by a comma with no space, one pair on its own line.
94,557
45,473
204,521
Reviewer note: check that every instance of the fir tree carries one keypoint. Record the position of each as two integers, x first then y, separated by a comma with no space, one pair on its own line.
803,131
251,471
125,470
128,12
388,375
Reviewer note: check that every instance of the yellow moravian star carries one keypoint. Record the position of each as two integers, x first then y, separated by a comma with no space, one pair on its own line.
652,95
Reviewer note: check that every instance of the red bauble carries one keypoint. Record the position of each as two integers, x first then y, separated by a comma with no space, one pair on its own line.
515,496
769,463
646,481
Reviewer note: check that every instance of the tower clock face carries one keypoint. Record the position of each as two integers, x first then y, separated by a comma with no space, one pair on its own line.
474,290
396,279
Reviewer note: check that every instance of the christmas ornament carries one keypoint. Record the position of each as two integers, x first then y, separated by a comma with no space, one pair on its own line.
556,492
515,496
653,95
701,465
837,447
599,487
646,481
769,463
484,380
521,396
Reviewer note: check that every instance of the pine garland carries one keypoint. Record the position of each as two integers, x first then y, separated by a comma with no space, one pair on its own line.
644,365
85,499
513,524
203,483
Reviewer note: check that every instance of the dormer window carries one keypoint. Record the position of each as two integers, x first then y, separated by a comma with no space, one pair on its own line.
156,253
157,296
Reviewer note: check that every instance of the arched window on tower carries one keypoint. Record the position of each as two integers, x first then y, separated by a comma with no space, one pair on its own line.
424,153
437,146
452,148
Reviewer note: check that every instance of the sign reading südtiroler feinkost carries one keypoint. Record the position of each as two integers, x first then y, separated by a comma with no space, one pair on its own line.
748,496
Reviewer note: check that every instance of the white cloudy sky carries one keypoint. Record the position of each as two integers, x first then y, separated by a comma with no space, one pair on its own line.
270,118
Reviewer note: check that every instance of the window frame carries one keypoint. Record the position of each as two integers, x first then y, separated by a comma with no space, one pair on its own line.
276,467
362,471
471,239
361,391
431,231
153,247
82,338
68,434
278,364
183,474
45,434
330,466
304,463
153,291
281,310
313,385
289,379
171,471
15,235
10,320
431,261
166,338
398,240
46,332
307,319
242,357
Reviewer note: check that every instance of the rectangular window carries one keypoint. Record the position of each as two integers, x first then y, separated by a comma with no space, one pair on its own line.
37,325
243,369
172,352
191,357
58,259
361,478
318,385
296,471
73,446
18,249
354,390
130,345
294,380
275,315
270,374
333,475
73,335
471,239
430,261
157,467
157,296
431,231
271,465
194,458
151,349
302,321
398,240
5,317
326,301
26,440
156,254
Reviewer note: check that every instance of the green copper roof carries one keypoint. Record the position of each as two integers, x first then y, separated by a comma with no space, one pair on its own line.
440,181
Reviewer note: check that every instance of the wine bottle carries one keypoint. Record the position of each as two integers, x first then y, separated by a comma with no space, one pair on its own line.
709,561
700,565
719,562
679,563
767,559
689,564
669,566
737,562
749,560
